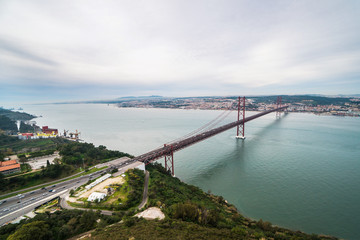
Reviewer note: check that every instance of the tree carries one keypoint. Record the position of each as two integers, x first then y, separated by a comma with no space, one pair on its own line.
47,163
2,180
57,161
22,158
88,220
102,147
2,156
34,230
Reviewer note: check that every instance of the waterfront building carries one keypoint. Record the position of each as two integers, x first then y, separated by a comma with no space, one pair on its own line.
47,130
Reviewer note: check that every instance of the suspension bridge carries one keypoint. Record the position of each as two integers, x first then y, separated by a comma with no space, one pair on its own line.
204,132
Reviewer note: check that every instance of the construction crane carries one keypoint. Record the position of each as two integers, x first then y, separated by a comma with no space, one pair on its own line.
75,134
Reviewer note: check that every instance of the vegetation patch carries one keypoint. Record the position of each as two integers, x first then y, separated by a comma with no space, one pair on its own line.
121,196
74,155
190,214
12,145
79,154
57,226
49,207
49,173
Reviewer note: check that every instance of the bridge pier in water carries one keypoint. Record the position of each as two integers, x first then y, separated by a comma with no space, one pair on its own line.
278,105
201,134
240,130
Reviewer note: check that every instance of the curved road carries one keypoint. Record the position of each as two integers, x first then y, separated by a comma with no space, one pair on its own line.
13,207
145,193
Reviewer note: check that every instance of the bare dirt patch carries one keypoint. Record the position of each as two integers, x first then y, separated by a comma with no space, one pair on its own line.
151,213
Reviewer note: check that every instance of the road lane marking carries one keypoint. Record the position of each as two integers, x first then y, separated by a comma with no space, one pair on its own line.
35,203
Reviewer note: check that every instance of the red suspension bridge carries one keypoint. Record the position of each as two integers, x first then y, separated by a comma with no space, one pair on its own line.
204,132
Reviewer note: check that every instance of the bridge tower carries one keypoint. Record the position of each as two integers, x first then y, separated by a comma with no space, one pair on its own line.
240,130
278,105
169,159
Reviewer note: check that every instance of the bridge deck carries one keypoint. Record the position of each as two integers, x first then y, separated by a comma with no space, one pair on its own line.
166,150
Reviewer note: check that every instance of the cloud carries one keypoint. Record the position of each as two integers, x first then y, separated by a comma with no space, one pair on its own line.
180,47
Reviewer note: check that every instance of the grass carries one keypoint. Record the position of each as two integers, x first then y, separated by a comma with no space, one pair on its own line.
148,230
118,194
121,193
92,170
47,143
130,194
52,205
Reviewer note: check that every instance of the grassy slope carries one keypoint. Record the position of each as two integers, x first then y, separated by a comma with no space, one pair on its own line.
26,145
148,230
170,193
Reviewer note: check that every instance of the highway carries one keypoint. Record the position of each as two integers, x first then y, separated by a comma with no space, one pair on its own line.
13,207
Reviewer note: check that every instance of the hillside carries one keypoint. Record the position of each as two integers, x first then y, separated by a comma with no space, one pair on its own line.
189,212
193,214
14,116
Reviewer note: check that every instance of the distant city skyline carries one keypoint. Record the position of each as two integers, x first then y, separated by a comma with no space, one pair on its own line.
89,50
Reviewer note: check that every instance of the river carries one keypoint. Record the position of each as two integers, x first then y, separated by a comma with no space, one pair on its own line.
300,171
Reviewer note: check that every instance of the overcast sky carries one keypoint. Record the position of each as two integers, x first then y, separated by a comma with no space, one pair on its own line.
70,50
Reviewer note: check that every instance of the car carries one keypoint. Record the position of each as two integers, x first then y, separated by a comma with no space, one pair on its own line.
44,194
77,181
51,190
32,199
19,201
32,192
2,202
53,186
44,188
6,209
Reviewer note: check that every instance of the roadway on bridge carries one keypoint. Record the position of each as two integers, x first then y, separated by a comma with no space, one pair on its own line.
13,207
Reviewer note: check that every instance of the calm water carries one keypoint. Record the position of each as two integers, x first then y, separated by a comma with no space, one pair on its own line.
299,172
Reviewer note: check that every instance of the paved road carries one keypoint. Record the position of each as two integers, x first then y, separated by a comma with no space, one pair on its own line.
16,206
65,205
145,193
44,184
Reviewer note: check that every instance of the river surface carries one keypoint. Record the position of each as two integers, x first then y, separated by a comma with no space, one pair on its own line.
301,171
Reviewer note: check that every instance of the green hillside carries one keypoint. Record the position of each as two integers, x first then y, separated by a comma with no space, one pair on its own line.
193,214
14,116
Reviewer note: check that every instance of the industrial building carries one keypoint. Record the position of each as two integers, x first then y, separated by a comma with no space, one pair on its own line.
47,130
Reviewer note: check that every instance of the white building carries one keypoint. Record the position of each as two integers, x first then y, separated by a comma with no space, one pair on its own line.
96,196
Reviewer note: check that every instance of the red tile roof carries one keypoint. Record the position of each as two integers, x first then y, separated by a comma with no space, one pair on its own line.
9,167
7,163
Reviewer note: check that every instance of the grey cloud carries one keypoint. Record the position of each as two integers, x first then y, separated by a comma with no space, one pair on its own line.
24,53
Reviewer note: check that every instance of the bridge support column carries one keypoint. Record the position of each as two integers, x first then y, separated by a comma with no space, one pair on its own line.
169,160
240,130
278,105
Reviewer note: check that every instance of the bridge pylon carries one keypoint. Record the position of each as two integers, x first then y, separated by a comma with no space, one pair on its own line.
240,130
169,159
278,105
